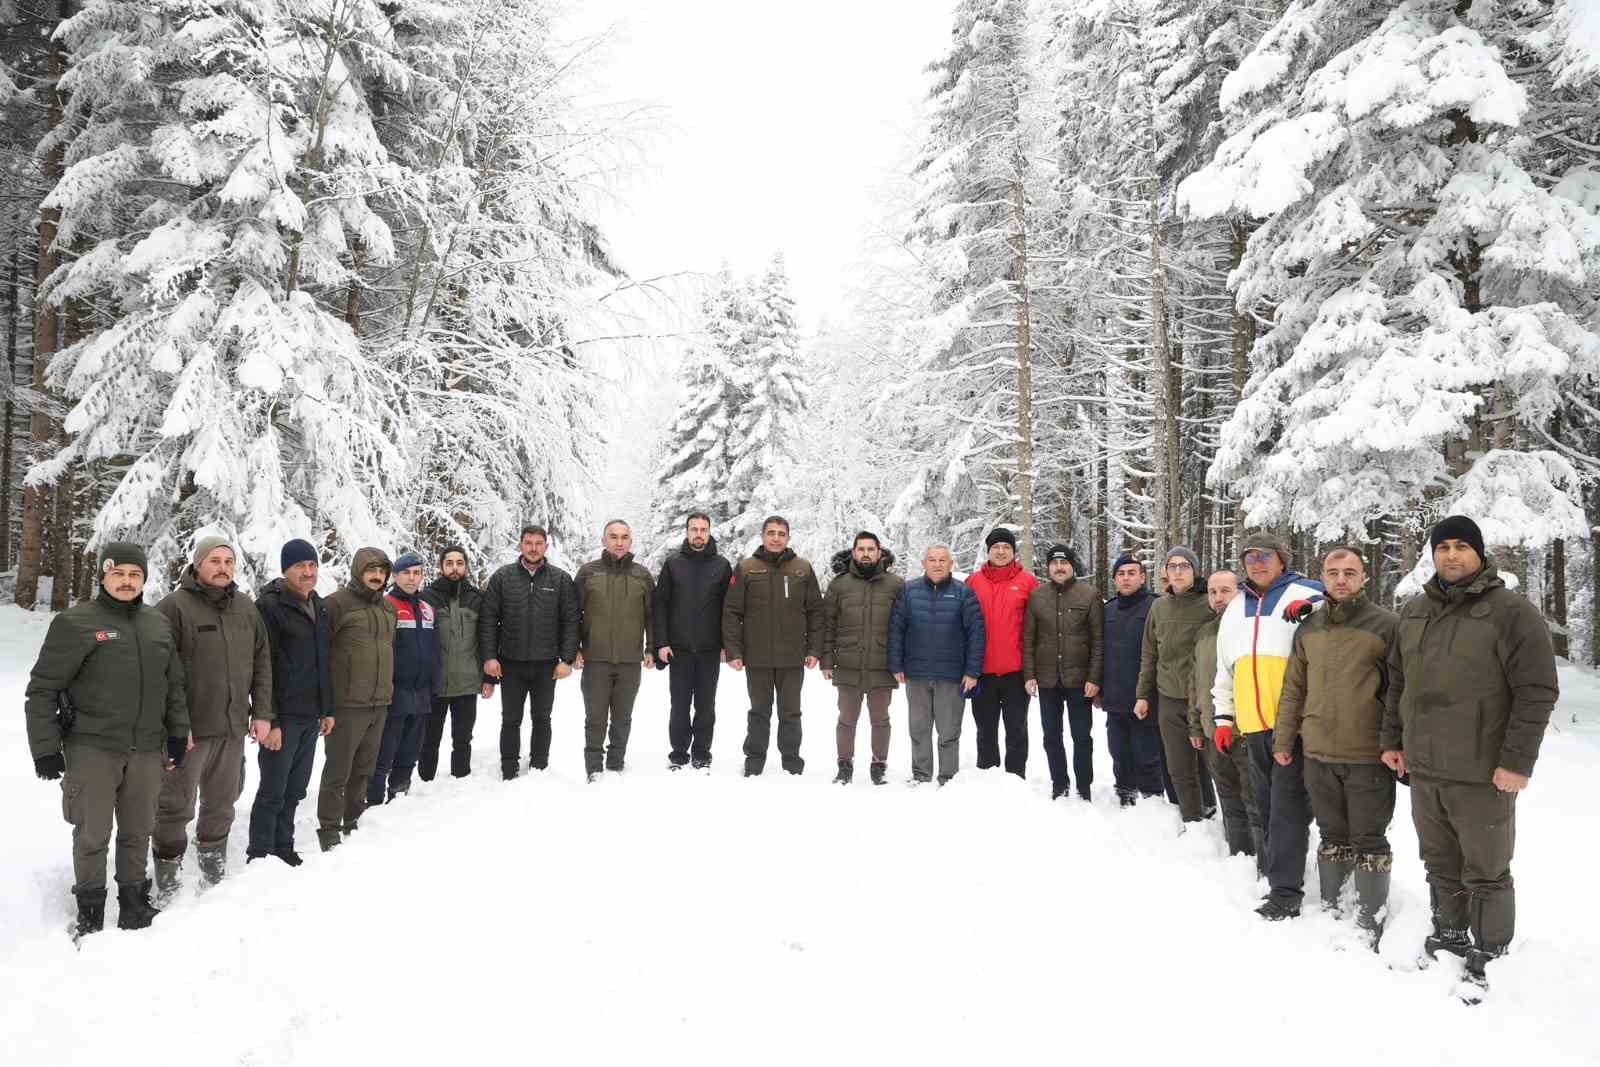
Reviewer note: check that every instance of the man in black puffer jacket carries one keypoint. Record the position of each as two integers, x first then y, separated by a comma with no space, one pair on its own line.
528,641
302,694
688,630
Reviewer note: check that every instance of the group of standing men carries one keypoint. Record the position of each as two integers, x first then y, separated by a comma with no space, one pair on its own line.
1278,698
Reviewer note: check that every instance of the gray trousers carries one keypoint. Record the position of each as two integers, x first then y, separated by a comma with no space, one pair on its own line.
608,693
850,699
99,784
933,704
213,774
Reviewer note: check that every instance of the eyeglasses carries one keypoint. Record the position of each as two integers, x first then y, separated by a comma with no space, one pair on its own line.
1258,555
1179,567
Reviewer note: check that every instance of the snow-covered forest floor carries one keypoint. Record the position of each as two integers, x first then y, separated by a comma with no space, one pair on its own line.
676,917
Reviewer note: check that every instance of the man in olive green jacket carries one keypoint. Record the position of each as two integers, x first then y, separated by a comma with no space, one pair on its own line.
361,624
1472,682
772,625
1063,659
1332,702
227,661
457,604
855,647
1165,668
615,625
1230,770
106,708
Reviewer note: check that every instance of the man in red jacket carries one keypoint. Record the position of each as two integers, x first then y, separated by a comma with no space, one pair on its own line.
1003,588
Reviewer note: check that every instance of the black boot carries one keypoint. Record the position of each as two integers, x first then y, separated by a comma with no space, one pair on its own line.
508,769
328,839
91,910
1372,892
1334,864
213,863
846,772
1447,935
879,772
289,856
136,910
167,877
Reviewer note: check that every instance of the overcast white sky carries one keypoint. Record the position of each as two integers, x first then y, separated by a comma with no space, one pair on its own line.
778,120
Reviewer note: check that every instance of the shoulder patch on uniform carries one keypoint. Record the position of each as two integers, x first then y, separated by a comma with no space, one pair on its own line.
1480,611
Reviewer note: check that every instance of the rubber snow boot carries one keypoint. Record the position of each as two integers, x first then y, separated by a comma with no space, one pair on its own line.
880,772
1372,892
213,863
1334,864
328,839
167,878
1449,927
91,910
136,910
847,771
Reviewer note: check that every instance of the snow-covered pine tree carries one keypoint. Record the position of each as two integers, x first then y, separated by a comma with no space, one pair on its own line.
1428,288
968,353
221,160
772,400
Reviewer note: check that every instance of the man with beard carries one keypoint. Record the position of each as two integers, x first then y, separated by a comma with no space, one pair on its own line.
1063,661
855,648
457,604
1135,742
688,628
528,641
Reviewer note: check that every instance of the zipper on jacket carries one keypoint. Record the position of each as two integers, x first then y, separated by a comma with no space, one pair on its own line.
138,648
227,662
1255,675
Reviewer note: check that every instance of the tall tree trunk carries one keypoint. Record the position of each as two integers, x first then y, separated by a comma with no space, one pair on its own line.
8,443
1244,338
1165,435
61,540
36,500
352,300
1558,596
1019,268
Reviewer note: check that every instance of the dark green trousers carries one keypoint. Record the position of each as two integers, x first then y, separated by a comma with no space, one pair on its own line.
608,693
1466,832
97,786
1353,804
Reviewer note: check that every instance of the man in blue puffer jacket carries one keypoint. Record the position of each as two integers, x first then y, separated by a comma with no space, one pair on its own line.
936,641
418,678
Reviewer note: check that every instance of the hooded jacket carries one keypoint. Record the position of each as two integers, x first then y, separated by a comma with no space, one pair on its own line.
1338,676
1003,594
1472,681
614,609
855,627
300,640
361,626
119,664
772,615
688,599
456,607
227,660
1253,647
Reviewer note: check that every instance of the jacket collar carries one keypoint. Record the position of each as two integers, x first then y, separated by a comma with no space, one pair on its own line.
1485,580
1344,611
767,557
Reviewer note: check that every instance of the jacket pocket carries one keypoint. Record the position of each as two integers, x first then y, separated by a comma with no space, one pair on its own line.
71,794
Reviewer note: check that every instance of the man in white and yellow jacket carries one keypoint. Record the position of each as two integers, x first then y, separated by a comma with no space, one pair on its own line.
1253,647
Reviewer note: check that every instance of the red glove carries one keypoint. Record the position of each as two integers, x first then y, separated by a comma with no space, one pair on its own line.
1224,737
1298,610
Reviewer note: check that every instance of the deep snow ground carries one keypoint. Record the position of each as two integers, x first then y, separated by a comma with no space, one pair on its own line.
679,917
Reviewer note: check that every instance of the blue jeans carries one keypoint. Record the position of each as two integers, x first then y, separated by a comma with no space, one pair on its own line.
1135,746
401,744
284,776
1052,703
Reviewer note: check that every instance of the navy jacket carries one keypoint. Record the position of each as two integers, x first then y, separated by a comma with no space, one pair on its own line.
1124,641
302,684
418,653
936,631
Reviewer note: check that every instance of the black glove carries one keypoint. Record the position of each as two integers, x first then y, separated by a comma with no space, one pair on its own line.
50,767
177,748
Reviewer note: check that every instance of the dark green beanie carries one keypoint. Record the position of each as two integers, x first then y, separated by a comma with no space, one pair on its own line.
119,553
